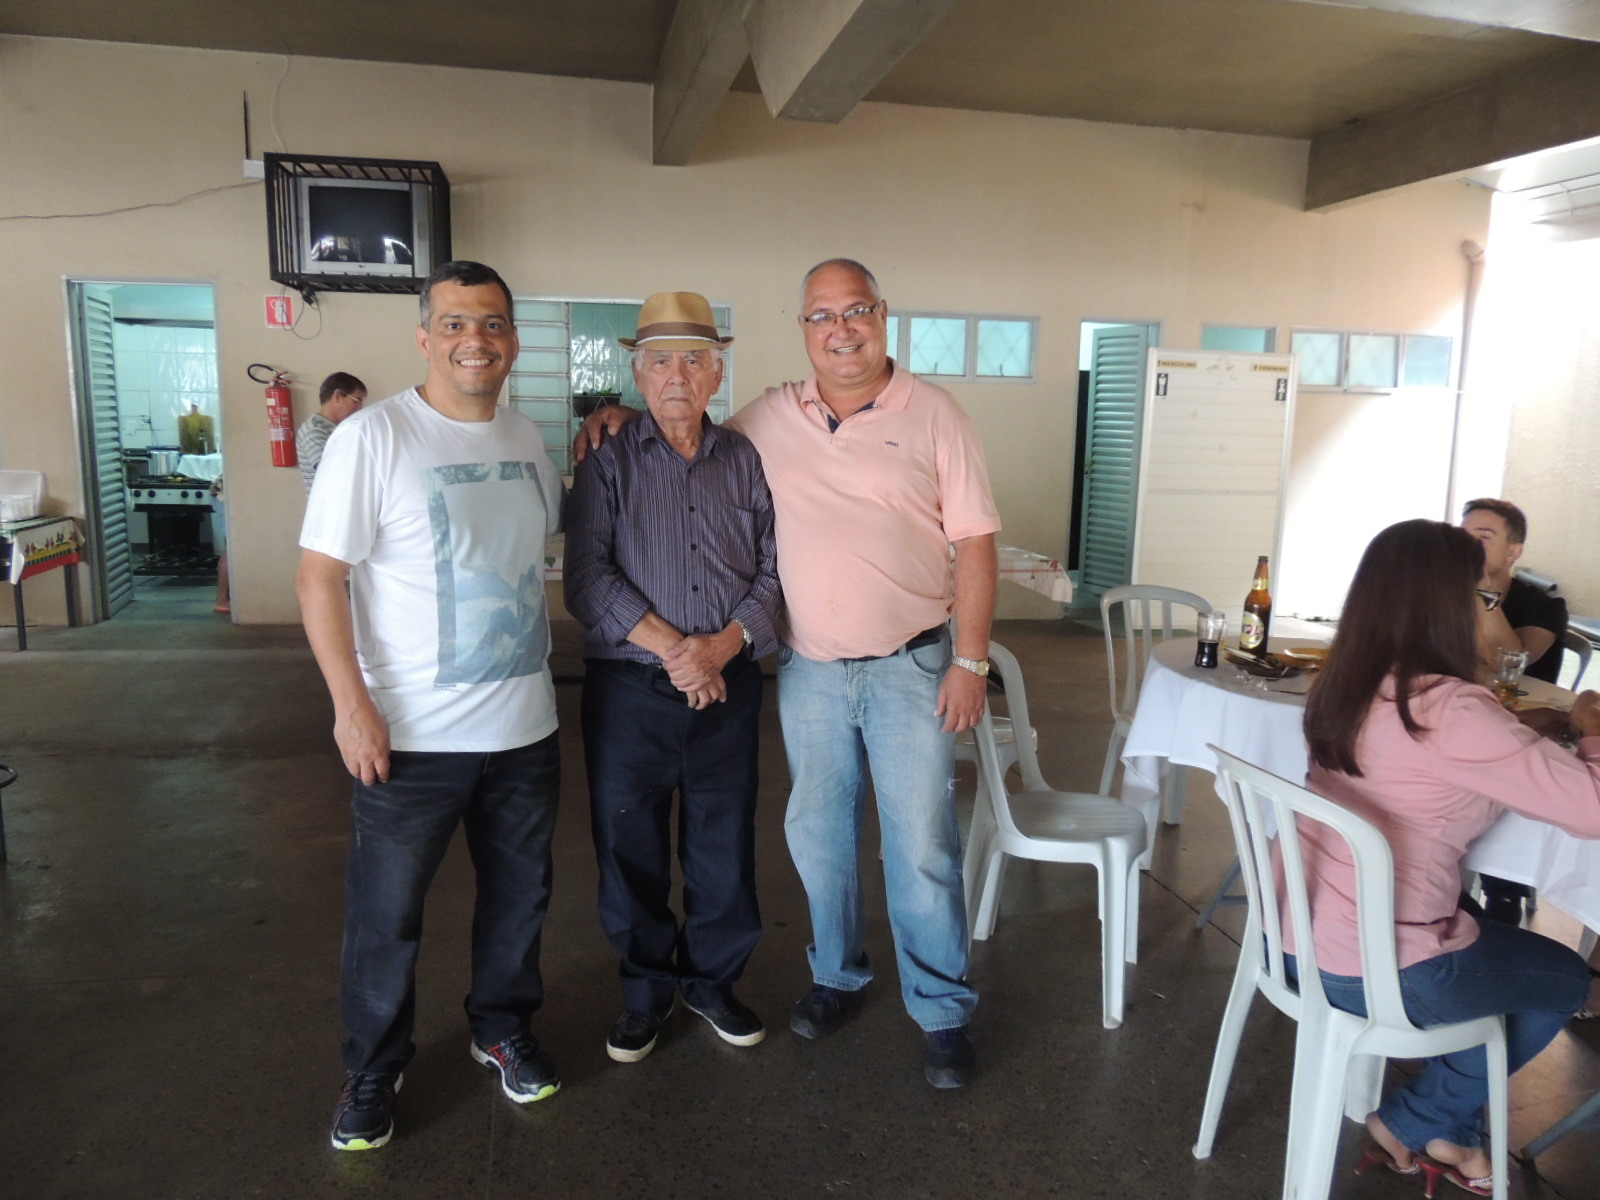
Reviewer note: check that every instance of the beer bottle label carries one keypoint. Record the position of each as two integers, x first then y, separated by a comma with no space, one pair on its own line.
1251,631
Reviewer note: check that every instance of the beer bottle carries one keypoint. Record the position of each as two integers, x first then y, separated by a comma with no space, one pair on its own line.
1257,612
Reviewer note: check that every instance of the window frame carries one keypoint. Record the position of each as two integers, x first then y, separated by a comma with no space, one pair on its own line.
1402,346
901,350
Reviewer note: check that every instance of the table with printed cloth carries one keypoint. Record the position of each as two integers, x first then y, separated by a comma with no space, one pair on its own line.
34,546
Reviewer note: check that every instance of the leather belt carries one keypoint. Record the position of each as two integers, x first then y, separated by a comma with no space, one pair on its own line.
928,637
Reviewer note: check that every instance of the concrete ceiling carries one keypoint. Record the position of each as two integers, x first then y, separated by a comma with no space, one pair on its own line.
1387,92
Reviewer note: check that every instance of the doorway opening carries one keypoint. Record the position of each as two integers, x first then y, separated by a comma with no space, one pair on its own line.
150,429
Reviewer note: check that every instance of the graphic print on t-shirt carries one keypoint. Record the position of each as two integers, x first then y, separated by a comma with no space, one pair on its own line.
488,523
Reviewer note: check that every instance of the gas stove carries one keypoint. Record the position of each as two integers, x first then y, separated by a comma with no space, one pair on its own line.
179,490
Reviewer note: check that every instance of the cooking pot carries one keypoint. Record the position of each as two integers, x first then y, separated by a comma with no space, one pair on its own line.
164,460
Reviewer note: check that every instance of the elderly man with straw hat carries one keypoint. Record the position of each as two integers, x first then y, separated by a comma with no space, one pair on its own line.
670,568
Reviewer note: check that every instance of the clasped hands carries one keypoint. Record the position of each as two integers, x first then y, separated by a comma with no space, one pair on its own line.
695,668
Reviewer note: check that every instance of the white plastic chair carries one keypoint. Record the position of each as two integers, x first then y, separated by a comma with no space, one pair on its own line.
1146,622
1051,826
1329,1042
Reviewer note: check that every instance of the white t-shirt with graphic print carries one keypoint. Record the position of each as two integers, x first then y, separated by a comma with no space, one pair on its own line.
444,524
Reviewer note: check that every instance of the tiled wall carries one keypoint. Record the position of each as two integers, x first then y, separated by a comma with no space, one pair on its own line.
161,370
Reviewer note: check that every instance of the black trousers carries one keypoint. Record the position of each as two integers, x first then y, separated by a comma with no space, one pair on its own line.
643,745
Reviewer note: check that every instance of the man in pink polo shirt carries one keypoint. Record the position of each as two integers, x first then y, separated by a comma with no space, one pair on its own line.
875,475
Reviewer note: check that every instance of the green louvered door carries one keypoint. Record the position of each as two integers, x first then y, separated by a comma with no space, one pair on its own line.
1111,462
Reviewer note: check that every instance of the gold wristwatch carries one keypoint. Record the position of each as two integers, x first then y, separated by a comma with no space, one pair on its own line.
978,666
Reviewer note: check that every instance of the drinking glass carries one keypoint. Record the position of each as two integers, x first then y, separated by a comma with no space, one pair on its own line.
1507,674
1210,629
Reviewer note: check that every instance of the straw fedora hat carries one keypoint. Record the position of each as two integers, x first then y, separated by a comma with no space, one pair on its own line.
675,321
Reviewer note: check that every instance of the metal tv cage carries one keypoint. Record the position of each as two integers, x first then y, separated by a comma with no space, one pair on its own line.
285,246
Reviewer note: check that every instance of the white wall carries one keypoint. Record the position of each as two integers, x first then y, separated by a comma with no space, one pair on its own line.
1537,377
1065,220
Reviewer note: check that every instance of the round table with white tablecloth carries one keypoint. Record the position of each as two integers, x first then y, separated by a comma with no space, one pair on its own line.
1183,709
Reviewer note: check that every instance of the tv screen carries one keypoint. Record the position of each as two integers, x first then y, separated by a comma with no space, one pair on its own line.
367,227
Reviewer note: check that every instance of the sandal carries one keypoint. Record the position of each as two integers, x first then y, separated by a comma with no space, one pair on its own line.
1374,1155
1435,1171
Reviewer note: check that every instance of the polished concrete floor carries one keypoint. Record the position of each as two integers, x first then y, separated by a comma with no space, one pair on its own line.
169,934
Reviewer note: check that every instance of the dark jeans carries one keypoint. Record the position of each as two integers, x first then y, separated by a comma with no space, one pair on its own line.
643,743
507,802
1535,982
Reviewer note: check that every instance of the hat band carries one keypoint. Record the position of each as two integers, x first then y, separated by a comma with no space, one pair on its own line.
677,329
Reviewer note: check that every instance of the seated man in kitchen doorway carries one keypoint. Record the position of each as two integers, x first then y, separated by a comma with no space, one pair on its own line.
1528,618
340,395
670,568
436,504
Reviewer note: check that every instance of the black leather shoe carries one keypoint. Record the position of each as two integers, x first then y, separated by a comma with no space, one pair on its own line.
820,1011
733,1022
634,1035
950,1058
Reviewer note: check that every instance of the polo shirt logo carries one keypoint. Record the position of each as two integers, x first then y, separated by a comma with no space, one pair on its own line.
887,442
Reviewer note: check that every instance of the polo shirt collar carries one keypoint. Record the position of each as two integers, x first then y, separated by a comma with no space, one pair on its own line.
896,393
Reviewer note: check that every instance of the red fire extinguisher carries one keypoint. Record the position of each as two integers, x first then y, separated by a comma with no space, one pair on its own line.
280,416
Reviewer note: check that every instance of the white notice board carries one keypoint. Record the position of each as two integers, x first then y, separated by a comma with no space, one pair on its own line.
1211,471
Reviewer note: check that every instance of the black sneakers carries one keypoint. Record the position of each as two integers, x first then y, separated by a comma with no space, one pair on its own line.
526,1072
634,1035
733,1022
820,1011
364,1118
949,1058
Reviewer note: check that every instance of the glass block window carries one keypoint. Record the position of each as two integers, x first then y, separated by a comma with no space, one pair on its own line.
1240,339
1374,361
1005,349
1321,357
938,346
1427,360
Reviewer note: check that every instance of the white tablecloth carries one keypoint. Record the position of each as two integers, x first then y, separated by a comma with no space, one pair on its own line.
1182,708
1037,572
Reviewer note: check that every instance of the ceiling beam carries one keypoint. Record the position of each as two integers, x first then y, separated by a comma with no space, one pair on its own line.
1560,18
1548,104
703,53
817,60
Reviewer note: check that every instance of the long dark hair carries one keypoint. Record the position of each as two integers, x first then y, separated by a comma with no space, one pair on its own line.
1411,611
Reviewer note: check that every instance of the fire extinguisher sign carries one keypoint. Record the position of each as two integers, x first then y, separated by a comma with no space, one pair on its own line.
280,312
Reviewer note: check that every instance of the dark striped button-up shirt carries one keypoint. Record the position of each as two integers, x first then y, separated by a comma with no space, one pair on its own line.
691,540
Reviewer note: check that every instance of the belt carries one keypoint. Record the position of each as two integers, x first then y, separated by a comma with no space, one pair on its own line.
928,637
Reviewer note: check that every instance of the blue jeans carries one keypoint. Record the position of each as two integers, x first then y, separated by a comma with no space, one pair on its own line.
401,830
1535,982
643,744
839,718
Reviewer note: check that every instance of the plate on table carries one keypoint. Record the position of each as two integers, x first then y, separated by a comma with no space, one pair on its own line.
1265,666
1307,658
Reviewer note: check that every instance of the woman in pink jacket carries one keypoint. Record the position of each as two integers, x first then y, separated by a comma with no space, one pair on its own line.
1402,732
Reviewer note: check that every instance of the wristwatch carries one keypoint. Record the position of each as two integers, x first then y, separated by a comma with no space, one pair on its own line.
979,667
749,642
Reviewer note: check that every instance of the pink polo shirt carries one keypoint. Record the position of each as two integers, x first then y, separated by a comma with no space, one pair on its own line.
865,515
1431,796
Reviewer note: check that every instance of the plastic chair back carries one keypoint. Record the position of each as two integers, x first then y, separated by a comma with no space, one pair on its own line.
1262,807
1146,622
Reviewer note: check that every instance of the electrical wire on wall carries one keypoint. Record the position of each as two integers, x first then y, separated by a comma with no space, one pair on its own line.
128,208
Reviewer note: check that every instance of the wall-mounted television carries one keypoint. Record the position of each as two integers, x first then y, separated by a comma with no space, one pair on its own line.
355,224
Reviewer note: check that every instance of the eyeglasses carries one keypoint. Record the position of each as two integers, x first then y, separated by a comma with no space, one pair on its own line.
825,320
1491,599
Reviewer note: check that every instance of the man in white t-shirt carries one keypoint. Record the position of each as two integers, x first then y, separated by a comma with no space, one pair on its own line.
435,505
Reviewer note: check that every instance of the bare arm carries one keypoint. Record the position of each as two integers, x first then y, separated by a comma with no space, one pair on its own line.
977,570
359,729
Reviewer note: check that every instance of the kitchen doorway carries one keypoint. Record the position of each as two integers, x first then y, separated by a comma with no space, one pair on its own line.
149,423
